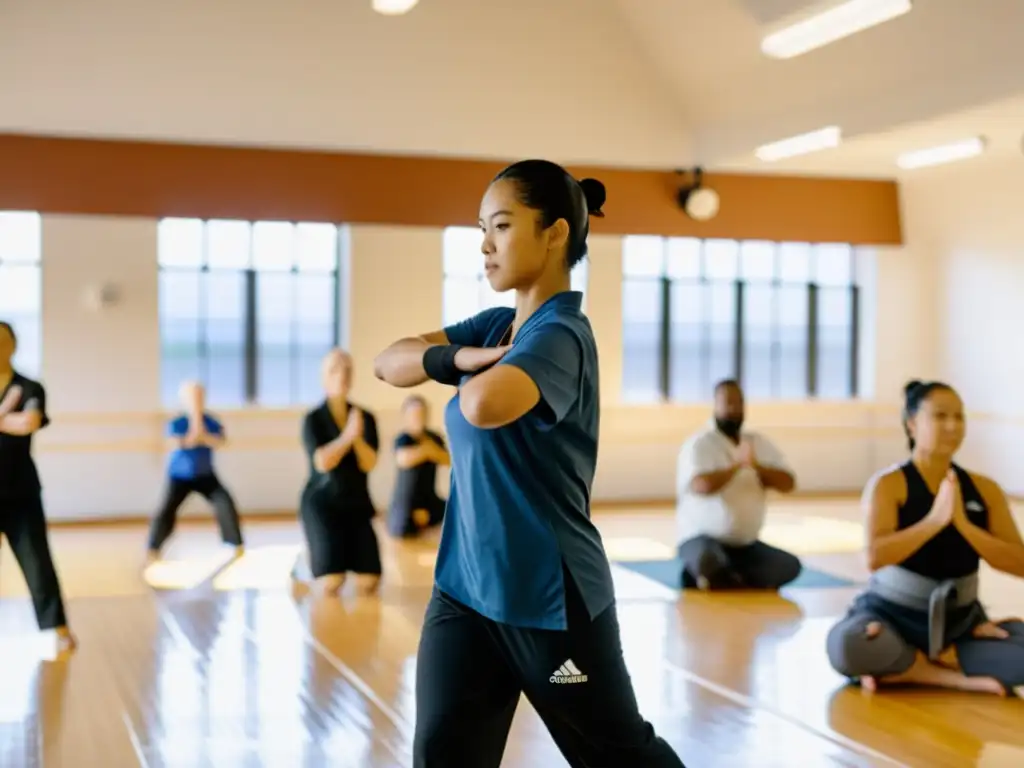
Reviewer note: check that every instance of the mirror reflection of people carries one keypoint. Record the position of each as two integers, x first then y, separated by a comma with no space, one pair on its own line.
193,436
336,509
22,517
723,476
930,524
419,451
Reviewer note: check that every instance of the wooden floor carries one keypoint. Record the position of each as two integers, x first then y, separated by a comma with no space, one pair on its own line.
220,666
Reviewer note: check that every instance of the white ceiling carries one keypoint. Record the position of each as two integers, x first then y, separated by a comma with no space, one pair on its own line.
655,83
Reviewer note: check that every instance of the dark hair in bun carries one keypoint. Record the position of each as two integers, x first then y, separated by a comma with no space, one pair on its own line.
915,393
595,195
550,189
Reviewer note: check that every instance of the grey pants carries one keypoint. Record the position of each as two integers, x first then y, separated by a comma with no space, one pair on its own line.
755,566
904,634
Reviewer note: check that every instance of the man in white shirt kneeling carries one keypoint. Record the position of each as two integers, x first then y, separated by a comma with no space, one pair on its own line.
723,474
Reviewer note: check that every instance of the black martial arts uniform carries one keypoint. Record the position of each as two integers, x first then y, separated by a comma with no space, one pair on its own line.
22,519
335,509
415,488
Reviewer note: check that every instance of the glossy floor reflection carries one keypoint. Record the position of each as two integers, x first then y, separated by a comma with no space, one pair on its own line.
232,672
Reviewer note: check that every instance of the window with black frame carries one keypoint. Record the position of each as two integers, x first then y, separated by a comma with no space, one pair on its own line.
21,285
248,308
782,318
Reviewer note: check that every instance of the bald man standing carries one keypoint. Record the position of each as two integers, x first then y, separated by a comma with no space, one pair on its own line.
193,437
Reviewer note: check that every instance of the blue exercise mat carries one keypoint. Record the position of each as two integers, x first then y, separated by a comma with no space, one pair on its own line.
667,572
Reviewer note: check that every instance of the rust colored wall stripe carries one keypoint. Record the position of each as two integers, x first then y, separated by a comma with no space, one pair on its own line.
86,176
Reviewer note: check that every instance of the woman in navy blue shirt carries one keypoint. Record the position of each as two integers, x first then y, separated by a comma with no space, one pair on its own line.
523,599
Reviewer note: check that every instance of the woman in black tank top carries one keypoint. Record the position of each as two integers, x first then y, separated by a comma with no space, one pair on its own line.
930,524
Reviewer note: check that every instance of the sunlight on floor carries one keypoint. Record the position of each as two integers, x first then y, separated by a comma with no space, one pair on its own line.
259,568
813,535
185,574
997,755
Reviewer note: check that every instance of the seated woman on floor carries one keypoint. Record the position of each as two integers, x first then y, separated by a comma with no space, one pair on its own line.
419,451
930,523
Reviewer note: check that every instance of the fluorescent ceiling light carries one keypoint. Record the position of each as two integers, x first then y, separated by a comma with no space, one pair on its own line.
945,153
823,138
828,26
394,7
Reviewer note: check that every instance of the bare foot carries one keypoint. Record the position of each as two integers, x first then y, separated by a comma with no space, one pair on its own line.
369,585
66,642
331,584
923,672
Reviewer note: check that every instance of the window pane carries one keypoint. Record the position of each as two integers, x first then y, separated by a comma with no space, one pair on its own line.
757,260
461,299
180,349
179,243
795,262
687,377
684,257
462,256
641,331
834,336
643,256
21,235
273,246
275,301
721,259
228,244
833,264
721,332
792,331
579,276
316,300
21,306
317,248
224,336
759,354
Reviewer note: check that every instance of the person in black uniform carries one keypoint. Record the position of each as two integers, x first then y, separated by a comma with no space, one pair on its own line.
22,518
930,523
336,510
419,451
194,436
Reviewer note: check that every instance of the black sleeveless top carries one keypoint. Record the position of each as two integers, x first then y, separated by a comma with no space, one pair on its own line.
947,555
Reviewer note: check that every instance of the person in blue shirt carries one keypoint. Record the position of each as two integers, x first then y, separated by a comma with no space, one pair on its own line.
194,436
523,600
419,451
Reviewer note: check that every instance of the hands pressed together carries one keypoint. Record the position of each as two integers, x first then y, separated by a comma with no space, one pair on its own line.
11,400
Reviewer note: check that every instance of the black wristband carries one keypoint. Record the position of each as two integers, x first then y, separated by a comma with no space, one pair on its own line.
439,364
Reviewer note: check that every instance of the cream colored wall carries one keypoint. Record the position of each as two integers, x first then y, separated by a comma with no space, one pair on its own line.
966,217
102,456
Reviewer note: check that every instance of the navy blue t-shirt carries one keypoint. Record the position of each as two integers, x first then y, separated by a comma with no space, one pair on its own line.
519,505
191,463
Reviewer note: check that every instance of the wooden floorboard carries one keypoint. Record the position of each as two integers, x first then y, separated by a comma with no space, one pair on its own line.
231,671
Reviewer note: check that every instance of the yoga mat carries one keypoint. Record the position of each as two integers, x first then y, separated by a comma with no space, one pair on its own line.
667,572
